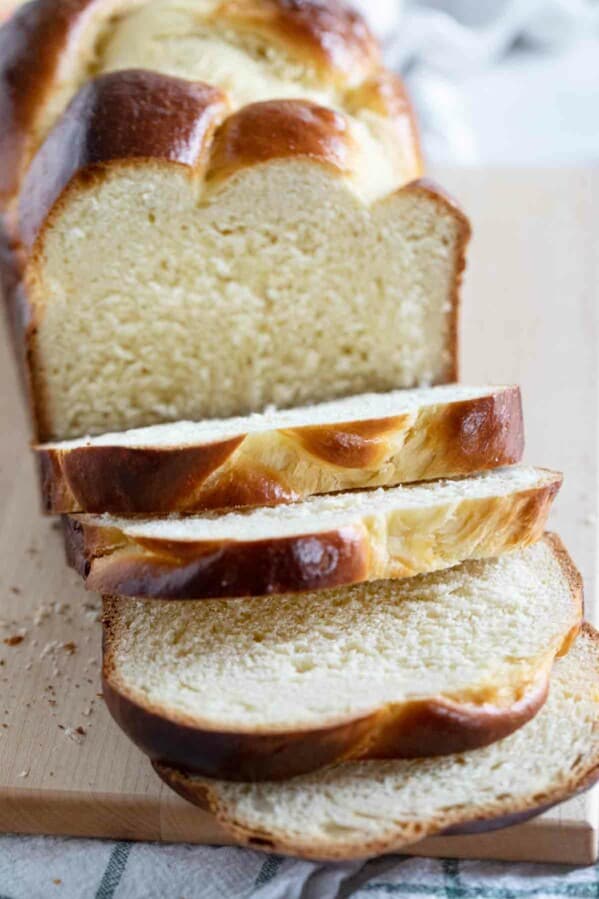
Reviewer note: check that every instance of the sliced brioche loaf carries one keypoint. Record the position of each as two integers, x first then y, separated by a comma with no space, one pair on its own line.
357,809
270,688
370,440
324,541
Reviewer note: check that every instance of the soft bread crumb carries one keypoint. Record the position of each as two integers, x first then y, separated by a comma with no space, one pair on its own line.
324,513
204,306
480,632
359,808
14,640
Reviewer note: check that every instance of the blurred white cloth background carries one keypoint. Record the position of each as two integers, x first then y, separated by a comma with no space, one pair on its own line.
497,81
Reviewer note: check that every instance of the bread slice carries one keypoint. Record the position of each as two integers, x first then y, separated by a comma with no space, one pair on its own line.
370,440
224,242
363,808
272,688
324,541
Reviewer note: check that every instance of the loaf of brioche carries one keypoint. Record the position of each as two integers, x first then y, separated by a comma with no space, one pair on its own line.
362,808
236,228
279,686
324,541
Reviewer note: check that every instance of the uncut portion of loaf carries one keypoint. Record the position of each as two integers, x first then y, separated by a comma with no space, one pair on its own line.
369,440
224,252
324,541
253,49
274,687
224,243
365,808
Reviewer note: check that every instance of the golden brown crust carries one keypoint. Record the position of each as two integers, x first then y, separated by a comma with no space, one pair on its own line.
145,116
281,129
467,819
114,562
37,46
41,51
116,118
209,570
409,730
446,440
327,36
130,481
384,94
24,87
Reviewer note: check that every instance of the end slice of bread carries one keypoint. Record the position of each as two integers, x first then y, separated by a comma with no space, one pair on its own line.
371,440
324,541
276,687
358,809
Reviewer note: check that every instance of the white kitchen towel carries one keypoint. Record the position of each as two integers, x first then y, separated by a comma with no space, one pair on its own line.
456,36
52,868
508,81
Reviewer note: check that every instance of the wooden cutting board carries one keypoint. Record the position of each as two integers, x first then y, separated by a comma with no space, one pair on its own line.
531,311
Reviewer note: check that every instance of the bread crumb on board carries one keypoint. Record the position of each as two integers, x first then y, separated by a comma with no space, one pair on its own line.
15,639
76,734
57,636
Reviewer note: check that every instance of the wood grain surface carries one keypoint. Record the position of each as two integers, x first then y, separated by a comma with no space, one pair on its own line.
531,310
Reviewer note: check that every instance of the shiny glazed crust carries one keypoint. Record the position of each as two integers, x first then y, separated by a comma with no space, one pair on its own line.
266,468
113,562
175,121
410,729
468,819
38,44
132,117
51,43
